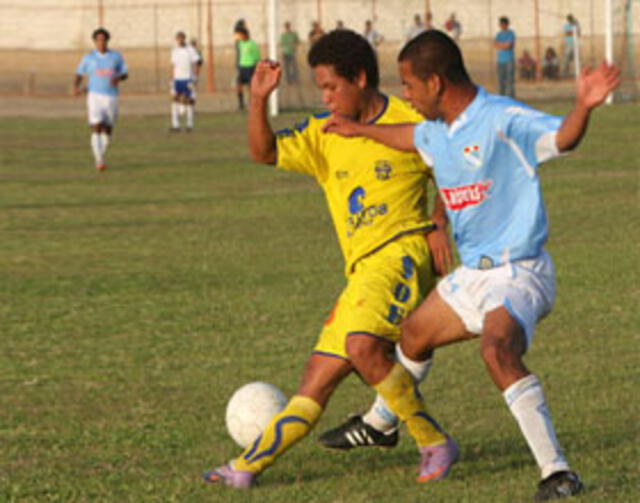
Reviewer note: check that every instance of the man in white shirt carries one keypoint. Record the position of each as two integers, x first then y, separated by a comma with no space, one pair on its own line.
184,73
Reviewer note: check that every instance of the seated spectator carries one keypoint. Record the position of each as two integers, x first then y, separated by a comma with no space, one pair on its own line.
551,64
527,66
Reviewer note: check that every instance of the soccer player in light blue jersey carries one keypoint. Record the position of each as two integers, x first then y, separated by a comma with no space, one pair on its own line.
105,69
485,150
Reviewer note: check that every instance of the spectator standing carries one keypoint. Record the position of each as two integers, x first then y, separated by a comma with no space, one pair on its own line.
504,43
372,36
416,28
289,45
571,30
248,57
527,66
340,25
316,33
453,27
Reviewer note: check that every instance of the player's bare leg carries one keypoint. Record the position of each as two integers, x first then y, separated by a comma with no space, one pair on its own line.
371,357
503,344
322,374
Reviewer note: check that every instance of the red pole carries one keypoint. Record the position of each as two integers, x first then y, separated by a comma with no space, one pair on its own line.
100,13
537,41
211,85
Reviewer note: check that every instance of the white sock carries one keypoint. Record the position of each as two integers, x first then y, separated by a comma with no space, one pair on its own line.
379,415
175,120
526,402
182,108
190,113
96,147
106,141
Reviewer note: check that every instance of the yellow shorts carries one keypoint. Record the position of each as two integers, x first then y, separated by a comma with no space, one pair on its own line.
381,291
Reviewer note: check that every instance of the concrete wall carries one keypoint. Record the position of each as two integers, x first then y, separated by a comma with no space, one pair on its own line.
67,24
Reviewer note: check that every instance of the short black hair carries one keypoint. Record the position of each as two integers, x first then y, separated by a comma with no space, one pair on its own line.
349,53
504,19
434,52
101,31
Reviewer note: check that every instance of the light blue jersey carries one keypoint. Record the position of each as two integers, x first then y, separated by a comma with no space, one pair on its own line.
100,69
506,55
485,165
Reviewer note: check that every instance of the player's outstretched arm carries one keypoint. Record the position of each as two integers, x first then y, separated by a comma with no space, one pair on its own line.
398,136
262,140
593,88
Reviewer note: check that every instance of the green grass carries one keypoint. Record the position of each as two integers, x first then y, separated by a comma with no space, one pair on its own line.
133,303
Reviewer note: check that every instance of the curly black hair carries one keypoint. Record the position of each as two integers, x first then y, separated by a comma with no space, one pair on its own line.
101,31
349,53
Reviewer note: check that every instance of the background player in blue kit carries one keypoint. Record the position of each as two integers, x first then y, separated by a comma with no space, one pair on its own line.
485,150
105,69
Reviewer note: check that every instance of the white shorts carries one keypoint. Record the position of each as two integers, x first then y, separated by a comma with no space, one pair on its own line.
527,288
102,109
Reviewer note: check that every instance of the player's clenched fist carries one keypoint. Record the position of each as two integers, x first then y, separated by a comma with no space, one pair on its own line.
265,78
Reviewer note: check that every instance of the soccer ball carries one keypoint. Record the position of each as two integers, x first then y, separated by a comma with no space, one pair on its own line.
251,408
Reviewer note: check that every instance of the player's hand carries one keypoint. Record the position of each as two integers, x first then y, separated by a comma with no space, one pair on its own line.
344,126
440,248
115,81
266,78
595,85
78,91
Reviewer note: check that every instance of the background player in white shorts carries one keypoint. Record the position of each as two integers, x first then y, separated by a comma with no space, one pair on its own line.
185,66
105,69
485,151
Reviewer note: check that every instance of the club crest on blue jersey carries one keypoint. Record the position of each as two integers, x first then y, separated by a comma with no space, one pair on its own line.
472,157
360,213
383,170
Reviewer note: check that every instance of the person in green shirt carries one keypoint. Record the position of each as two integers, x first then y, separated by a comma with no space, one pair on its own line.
248,57
289,44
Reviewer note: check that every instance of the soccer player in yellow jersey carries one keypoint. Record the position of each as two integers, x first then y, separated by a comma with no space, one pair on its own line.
377,197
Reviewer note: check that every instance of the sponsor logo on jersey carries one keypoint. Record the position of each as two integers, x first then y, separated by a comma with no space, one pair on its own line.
458,198
383,170
472,156
342,174
104,72
360,213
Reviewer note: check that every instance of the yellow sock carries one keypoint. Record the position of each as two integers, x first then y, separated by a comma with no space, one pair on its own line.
284,430
398,390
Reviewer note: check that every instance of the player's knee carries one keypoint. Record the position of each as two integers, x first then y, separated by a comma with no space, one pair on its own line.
368,355
498,348
412,341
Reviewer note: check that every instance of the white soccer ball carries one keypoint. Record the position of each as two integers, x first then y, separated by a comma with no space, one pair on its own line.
251,408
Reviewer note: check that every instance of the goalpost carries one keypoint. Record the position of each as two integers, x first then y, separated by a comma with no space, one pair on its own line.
272,36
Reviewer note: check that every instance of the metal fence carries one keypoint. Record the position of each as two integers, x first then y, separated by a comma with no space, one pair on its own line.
41,42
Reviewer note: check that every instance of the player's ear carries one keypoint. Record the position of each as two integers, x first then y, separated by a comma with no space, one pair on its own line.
361,79
435,84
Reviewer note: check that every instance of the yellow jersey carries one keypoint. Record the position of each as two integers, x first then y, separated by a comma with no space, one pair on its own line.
375,193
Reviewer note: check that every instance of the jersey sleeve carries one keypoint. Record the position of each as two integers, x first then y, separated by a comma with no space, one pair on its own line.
299,149
82,67
534,132
421,142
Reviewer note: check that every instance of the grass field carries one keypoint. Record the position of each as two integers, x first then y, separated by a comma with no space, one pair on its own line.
134,302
